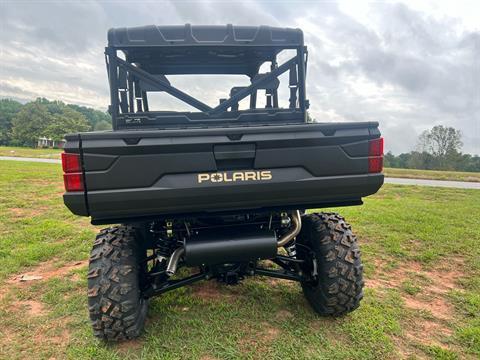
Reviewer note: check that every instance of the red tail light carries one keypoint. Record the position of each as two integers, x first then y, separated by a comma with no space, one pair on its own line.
73,181
375,155
375,147
71,163
375,164
72,177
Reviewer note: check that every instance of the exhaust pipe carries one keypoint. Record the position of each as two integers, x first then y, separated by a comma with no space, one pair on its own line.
173,261
232,247
297,226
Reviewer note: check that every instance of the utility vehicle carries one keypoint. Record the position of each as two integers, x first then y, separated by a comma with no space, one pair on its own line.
222,188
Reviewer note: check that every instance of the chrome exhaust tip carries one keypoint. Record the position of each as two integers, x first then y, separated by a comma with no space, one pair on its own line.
173,261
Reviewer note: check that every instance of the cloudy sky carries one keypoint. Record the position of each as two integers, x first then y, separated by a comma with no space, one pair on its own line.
408,65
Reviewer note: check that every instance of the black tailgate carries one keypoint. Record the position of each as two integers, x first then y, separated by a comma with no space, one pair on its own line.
134,174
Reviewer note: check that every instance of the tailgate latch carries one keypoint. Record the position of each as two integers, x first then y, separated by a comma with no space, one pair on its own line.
234,156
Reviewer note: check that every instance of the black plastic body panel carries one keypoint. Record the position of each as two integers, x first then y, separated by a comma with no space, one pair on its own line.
214,35
140,174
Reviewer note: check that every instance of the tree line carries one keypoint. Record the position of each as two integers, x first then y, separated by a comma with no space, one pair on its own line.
22,124
437,149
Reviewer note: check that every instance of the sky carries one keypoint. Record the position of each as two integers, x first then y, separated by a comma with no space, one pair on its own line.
408,65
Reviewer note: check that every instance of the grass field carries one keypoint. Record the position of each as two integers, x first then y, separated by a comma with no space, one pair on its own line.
432,174
30,152
421,254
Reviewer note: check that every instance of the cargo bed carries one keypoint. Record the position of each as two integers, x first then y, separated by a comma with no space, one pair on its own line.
135,175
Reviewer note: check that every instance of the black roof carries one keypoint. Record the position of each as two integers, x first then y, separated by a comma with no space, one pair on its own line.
212,35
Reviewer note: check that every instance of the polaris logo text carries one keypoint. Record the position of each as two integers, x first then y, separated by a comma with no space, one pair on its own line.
221,177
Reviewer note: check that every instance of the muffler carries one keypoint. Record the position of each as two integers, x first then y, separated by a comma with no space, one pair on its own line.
230,246
213,247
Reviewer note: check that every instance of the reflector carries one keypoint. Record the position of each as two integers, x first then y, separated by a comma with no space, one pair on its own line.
73,182
375,164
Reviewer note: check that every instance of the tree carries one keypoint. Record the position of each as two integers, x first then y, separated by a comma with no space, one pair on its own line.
43,118
389,160
444,143
64,122
420,160
441,140
93,116
28,124
437,149
103,125
8,109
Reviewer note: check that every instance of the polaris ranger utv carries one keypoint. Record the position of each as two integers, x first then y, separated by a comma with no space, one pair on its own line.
221,189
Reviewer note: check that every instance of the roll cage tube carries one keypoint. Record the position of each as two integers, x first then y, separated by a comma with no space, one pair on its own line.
126,80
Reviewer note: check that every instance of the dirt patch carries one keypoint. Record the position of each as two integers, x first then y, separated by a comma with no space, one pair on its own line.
283,315
428,333
212,291
380,284
27,212
47,270
440,280
129,346
17,212
446,280
269,334
432,296
390,276
274,281
433,285
48,338
208,290
41,182
75,278
405,349
438,307
208,357
28,307
41,272
259,340
42,338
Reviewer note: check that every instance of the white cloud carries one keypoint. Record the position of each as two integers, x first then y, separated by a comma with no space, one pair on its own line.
408,65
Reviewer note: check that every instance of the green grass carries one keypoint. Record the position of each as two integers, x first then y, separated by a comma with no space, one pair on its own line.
30,152
411,238
432,174
410,287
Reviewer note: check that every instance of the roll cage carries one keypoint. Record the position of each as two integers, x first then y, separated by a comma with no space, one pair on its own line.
151,53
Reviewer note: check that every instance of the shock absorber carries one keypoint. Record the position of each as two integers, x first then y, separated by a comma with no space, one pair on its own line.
165,241
293,232
288,240
163,249
291,250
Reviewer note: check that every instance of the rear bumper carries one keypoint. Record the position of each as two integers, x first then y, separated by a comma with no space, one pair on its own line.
108,206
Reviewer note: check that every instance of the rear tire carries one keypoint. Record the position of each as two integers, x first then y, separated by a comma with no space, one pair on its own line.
117,308
338,286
